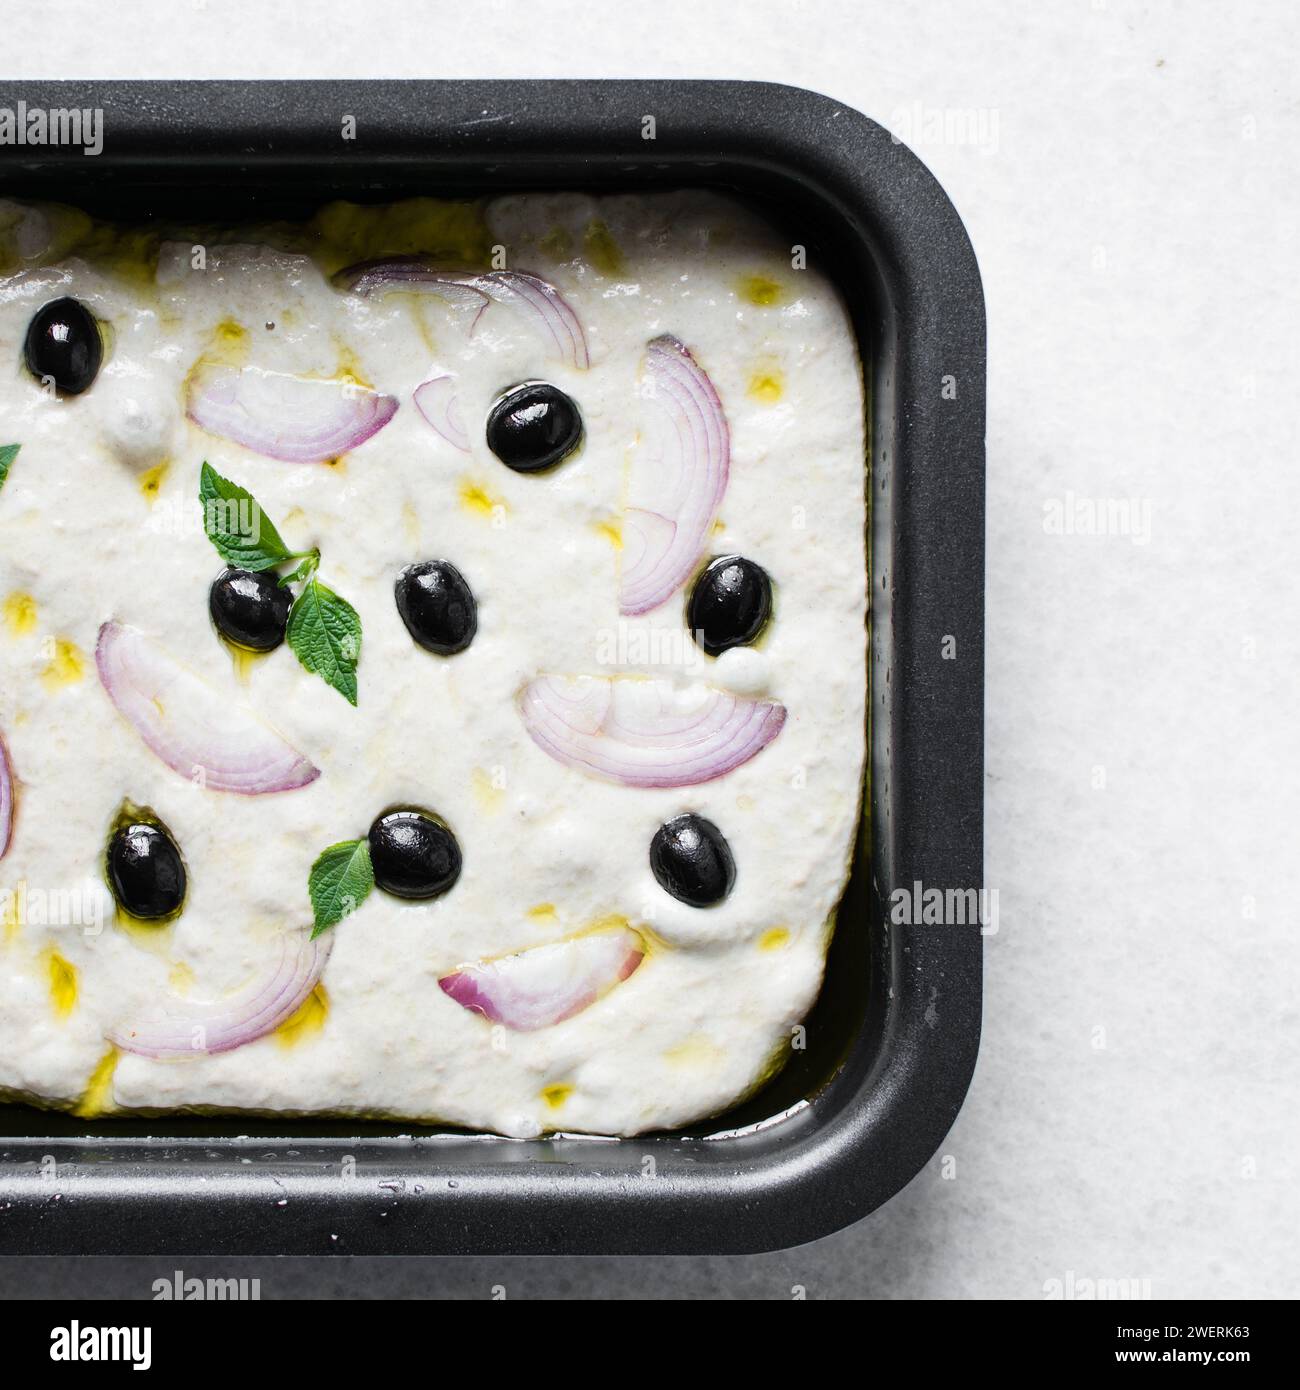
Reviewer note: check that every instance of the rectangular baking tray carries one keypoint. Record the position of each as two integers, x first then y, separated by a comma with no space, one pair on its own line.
892,1042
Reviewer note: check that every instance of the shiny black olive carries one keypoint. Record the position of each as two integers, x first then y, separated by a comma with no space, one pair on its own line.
730,604
64,344
533,426
145,871
250,609
691,860
413,854
437,606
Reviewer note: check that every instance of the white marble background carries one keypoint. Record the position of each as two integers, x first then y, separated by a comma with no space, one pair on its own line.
1130,183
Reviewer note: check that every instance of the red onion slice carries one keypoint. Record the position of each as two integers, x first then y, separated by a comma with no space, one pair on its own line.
438,403
297,419
546,984
678,476
550,312
6,798
646,733
196,730
184,1027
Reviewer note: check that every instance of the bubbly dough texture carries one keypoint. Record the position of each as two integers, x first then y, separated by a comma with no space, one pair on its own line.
99,520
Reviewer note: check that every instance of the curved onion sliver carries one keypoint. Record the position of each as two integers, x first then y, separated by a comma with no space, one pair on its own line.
297,419
438,403
678,476
646,733
546,984
185,1027
6,798
551,313
196,730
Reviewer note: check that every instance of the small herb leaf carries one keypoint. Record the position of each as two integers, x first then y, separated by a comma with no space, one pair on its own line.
241,531
339,881
8,452
325,635
304,570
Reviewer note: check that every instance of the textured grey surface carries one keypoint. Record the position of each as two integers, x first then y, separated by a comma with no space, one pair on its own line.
1127,175
892,1255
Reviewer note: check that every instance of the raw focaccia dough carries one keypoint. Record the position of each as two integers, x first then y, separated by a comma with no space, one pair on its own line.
98,520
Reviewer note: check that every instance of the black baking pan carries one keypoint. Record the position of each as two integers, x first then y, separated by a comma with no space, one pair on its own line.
893,1039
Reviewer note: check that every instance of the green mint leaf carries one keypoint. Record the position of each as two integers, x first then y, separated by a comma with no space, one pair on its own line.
339,881
325,635
237,525
304,571
8,452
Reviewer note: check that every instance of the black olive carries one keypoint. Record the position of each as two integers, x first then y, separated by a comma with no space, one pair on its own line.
533,426
413,854
145,871
691,859
64,344
250,609
437,606
730,604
